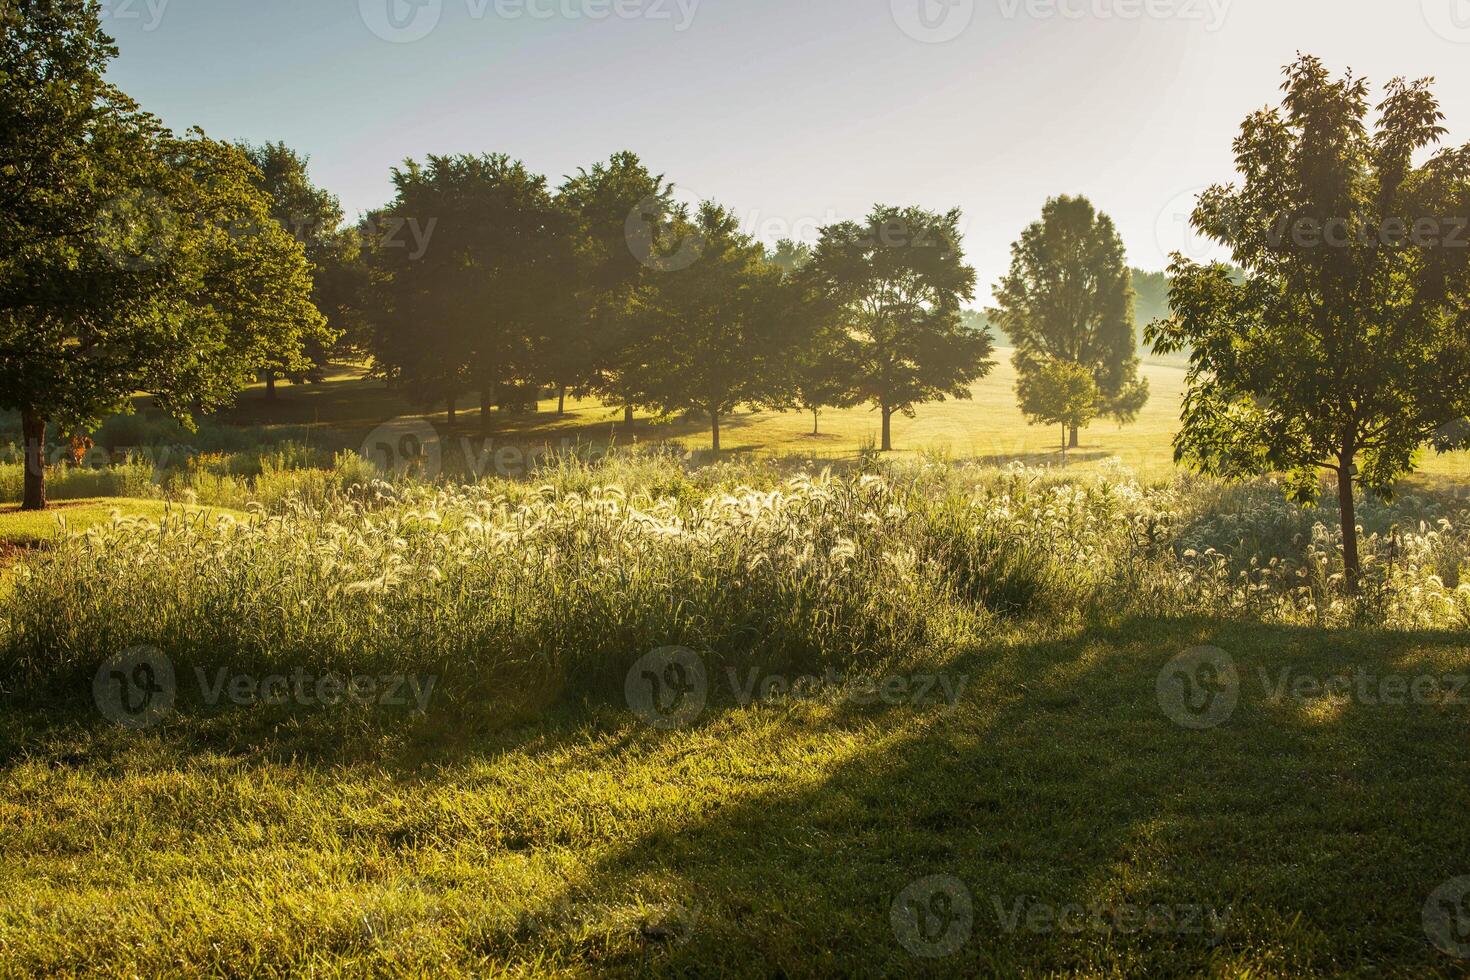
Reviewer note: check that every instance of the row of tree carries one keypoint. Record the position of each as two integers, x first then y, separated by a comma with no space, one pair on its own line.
134,260
482,281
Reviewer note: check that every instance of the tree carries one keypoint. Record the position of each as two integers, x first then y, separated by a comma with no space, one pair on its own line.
898,280
474,305
131,260
1345,343
1057,392
617,210
1069,296
711,337
825,359
313,216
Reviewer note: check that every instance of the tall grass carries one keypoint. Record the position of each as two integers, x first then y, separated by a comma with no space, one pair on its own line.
530,591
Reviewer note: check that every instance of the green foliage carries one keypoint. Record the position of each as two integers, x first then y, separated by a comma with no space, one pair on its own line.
620,214
130,259
469,298
1069,297
1057,392
712,336
1346,344
313,216
899,280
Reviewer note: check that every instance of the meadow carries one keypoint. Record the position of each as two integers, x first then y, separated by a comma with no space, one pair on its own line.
786,712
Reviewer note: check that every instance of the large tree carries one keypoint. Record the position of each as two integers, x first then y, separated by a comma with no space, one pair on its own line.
617,209
1345,343
313,216
898,281
473,304
1069,297
713,336
131,260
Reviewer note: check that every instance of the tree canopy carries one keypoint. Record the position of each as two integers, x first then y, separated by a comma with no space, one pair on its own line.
898,280
131,260
1069,296
1345,343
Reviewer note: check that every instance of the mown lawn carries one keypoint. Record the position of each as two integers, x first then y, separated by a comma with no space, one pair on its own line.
1298,837
987,427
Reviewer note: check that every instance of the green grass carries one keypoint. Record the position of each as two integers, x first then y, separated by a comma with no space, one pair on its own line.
30,529
766,840
989,427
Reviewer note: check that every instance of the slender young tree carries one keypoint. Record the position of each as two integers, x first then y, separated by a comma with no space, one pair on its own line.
1069,296
898,281
1345,343
1056,392
131,260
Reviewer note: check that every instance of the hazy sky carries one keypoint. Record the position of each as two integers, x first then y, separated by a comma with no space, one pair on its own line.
792,112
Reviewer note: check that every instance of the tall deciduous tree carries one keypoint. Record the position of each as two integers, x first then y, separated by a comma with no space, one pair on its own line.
713,336
1069,296
470,261
1345,345
617,209
131,260
313,216
898,280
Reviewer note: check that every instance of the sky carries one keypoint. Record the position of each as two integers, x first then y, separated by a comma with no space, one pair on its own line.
794,113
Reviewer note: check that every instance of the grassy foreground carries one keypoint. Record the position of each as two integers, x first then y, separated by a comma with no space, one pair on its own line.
1299,837
1014,755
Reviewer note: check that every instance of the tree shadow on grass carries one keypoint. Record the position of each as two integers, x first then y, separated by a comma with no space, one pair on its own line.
1297,836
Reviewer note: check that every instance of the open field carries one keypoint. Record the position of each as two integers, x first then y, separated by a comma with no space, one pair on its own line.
947,723
988,428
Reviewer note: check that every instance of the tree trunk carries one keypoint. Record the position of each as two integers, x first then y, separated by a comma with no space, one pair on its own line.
1074,441
1064,444
270,385
451,407
816,420
887,428
33,433
561,400
1351,567
714,418
486,397
627,414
